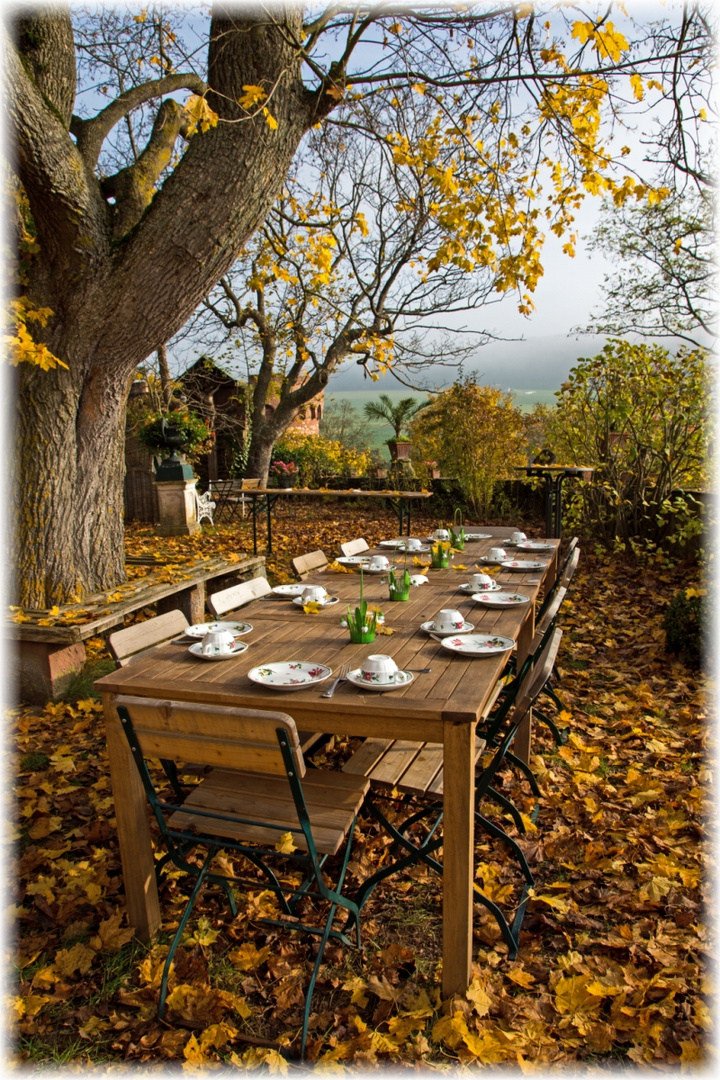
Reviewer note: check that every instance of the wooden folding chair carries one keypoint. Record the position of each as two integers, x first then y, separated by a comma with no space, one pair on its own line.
258,791
303,565
424,764
233,598
354,547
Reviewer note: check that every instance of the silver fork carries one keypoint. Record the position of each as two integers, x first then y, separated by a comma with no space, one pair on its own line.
341,678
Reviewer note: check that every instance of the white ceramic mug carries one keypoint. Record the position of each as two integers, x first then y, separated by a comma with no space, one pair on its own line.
314,592
441,534
378,668
412,543
379,562
498,553
448,619
481,581
216,642
518,537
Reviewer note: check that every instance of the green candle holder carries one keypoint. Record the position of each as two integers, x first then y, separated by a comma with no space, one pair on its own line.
440,555
399,584
457,532
360,624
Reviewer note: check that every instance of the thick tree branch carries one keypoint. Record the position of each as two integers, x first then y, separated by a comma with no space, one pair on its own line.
91,134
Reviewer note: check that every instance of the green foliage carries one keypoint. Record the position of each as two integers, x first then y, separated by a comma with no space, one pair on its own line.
641,418
397,415
686,626
319,459
476,434
156,431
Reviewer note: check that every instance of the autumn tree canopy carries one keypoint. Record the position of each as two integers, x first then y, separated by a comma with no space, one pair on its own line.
132,205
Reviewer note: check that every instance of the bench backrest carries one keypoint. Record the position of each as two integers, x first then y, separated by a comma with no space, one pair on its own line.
215,735
354,547
126,644
570,567
305,564
551,610
237,595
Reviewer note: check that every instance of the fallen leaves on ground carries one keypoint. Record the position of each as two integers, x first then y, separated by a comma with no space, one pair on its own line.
613,951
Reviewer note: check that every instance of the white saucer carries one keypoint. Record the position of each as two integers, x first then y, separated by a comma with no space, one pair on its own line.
392,543
523,566
488,561
534,545
353,560
478,644
237,629
466,628
239,647
478,536
403,678
289,590
328,602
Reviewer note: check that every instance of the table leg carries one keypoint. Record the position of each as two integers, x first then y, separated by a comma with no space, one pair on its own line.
458,836
133,829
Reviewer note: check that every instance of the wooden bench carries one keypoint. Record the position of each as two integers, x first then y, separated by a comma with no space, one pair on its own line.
44,658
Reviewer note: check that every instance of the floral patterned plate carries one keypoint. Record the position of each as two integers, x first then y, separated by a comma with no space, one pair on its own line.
478,536
534,545
501,599
523,565
478,644
238,647
289,675
402,678
467,587
392,543
466,628
327,602
201,629
353,560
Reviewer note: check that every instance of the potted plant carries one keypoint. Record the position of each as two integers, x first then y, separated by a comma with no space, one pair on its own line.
399,583
284,473
397,416
361,624
432,468
169,435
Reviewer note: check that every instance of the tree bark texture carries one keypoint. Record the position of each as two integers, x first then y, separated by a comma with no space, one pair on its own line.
115,297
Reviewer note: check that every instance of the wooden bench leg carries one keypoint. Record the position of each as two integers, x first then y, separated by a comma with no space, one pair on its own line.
458,836
190,601
41,670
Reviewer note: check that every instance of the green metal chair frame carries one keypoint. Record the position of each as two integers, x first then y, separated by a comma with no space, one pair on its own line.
209,829
499,733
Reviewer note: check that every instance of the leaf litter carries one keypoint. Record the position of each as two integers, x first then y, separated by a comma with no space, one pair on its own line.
612,967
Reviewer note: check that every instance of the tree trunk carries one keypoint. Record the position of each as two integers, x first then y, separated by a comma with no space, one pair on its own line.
113,300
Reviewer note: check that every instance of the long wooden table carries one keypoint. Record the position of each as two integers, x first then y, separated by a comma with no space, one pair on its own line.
442,706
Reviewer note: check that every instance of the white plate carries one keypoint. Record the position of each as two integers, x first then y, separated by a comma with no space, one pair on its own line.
239,647
237,629
466,628
289,590
488,561
478,536
534,545
289,675
403,678
468,588
523,566
501,599
412,551
353,560
478,644
323,603
392,543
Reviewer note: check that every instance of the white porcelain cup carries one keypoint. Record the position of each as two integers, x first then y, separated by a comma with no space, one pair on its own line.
518,537
378,668
441,534
498,553
314,592
216,642
412,543
379,562
448,619
481,582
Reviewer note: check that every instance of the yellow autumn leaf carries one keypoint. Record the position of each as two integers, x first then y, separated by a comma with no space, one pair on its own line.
285,844
270,119
419,88
79,958
583,31
252,96
357,988
638,88
380,628
192,1052
248,957
477,993
312,607
200,114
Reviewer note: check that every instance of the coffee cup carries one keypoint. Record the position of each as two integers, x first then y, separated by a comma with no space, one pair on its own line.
499,554
448,619
518,537
378,668
441,534
481,582
315,593
217,642
412,543
379,562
